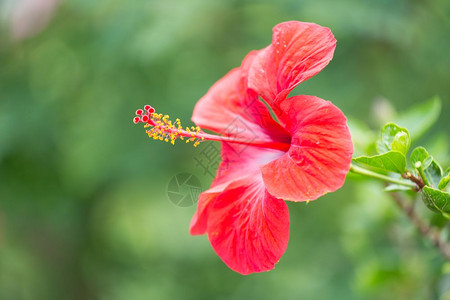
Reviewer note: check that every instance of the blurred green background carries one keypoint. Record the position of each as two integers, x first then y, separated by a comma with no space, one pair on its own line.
84,212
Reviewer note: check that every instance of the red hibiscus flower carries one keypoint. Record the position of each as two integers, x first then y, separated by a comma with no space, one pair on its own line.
298,150
303,156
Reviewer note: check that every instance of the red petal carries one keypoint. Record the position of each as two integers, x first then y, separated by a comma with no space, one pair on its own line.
320,153
199,221
247,227
237,164
230,109
298,52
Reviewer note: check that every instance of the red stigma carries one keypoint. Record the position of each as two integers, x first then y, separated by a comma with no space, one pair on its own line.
136,120
139,112
145,118
147,107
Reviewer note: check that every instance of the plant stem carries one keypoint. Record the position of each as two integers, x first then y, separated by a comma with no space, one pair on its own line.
422,174
425,230
365,172
418,181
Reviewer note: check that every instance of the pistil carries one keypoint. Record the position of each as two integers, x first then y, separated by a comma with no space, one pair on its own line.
162,128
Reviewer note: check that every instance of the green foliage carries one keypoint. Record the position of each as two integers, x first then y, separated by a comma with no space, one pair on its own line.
436,200
425,171
420,154
433,174
426,166
393,138
392,147
445,179
391,161
434,178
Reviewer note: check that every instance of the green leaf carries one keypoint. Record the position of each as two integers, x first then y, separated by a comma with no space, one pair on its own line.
445,179
401,142
432,171
391,161
420,154
421,117
436,200
393,138
434,174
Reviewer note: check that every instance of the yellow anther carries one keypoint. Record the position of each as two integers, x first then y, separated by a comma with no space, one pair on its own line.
164,129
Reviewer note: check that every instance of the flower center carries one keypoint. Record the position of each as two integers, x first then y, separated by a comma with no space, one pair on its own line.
162,128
